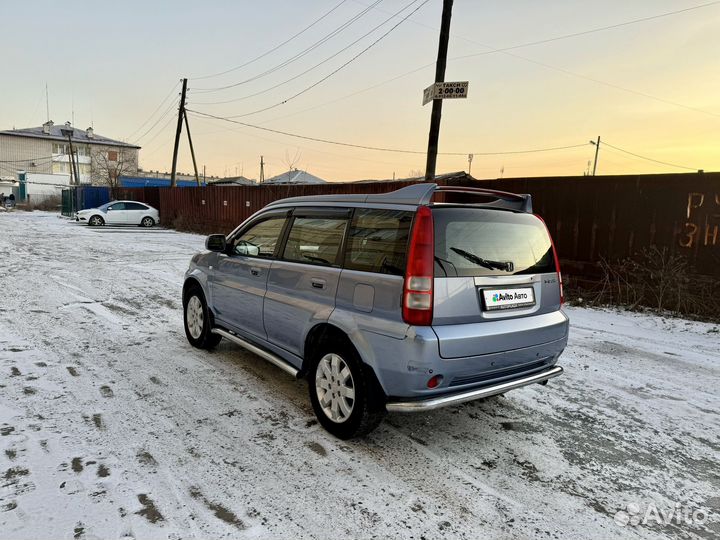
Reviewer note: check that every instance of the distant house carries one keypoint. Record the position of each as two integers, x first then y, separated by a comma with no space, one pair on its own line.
233,181
46,150
295,177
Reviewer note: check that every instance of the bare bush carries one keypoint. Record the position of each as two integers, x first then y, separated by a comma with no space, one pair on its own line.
658,279
181,223
48,203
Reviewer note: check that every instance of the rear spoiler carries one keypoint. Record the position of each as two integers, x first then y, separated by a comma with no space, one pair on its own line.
503,199
419,194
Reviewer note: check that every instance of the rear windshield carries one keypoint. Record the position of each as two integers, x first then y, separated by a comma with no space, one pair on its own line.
481,242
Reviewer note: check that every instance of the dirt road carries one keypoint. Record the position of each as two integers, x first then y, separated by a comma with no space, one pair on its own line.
112,426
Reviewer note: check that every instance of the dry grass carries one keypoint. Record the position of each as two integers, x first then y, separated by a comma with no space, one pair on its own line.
656,279
52,203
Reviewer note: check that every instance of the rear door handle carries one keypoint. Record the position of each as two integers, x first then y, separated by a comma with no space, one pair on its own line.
255,271
318,283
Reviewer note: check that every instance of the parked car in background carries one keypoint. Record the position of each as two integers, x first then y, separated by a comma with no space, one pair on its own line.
120,213
391,302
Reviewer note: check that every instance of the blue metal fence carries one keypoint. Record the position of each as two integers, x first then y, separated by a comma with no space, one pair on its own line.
82,197
145,181
93,196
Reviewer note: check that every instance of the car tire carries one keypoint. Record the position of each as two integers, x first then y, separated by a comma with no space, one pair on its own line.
336,373
96,221
198,320
147,221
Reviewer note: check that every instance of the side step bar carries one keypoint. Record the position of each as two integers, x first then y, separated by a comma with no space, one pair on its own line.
267,355
455,399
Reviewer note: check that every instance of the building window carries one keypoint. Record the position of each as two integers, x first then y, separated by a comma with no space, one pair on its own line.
112,155
62,149
60,168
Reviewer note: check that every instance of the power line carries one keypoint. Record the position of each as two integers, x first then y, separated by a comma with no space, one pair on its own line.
43,158
155,111
612,85
276,141
263,55
592,30
264,91
505,51
651,159
160,119
358,55
325,103
299,55
47,183
170,118
381,149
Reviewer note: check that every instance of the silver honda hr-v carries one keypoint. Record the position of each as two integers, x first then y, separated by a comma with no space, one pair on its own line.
403,301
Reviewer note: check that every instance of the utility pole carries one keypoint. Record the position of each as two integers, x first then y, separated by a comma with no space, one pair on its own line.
73,171
470,158
262,171
68,132
437,103
192,150
597,151
181,114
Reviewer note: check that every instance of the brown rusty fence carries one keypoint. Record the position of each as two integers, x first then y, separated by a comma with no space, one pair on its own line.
613,217
591,218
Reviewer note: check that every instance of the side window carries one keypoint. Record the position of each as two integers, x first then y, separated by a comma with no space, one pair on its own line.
117,206
378,241
135,206
315,240
260,239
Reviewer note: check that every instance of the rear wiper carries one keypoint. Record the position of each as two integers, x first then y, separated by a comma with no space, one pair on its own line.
507,266
442,262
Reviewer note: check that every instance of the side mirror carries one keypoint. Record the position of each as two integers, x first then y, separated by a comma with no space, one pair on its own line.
216,242
243,248
109,208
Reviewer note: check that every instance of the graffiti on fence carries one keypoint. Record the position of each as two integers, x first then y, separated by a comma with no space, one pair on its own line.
702,228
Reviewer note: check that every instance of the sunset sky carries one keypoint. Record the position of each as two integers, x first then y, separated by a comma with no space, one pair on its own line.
651,88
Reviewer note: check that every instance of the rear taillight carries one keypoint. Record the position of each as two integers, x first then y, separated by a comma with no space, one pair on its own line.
417,306
557,261
559,273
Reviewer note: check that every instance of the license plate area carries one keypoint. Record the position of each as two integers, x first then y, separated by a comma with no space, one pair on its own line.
499,299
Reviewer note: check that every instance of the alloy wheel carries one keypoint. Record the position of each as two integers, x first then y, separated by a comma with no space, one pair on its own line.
194,317
335,387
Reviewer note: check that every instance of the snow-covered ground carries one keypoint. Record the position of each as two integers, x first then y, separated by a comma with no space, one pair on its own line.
112,426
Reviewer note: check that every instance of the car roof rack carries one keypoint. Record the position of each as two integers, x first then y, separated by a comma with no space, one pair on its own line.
420,194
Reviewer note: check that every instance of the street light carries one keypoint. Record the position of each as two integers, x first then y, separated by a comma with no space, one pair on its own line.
67,131
597,149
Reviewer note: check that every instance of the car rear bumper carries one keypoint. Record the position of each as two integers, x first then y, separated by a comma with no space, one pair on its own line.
405,367
462,340
447,400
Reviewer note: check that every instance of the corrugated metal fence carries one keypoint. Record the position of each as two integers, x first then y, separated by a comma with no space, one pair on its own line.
608,217
222,208
613,217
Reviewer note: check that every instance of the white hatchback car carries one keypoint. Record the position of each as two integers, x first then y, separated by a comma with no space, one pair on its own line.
120,213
